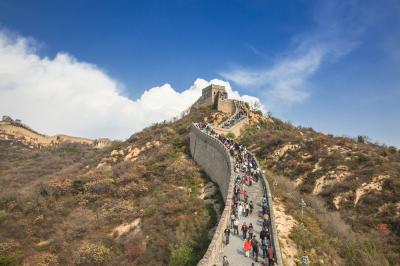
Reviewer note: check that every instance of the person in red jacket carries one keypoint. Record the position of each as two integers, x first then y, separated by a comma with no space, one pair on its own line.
270,256
246,196
247,247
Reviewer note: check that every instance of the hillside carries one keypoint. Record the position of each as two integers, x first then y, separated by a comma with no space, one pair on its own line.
139,202
145,202
335,175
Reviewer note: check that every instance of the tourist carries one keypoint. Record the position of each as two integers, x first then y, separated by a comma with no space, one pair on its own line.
236,226
251,206
232,217
264,200
264,207
251,230
238,178
246,196
244,230
247,247
247,207
255,246
270,256
240,209
263,234
227,232
225,261
258,174
264,248
265,222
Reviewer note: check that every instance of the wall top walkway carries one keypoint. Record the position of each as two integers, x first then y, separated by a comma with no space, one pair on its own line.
216,247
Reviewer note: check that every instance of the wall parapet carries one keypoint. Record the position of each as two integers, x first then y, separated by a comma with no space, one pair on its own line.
274,235
225,182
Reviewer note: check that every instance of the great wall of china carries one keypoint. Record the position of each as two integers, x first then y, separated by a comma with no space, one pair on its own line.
208,152
14,129
211,154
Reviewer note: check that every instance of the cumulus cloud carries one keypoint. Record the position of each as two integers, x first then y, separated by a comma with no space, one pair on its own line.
64,95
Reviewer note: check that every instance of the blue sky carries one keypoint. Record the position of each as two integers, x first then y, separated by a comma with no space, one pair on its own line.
331,65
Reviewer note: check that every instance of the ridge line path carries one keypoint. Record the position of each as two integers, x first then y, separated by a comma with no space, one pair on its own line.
234,250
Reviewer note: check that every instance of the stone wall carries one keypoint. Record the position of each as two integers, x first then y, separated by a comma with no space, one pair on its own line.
211,155
226,106
236,129
33,138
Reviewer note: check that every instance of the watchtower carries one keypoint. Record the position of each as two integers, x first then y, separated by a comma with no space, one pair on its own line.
212,93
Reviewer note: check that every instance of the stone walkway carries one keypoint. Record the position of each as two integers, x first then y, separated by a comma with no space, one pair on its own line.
234,250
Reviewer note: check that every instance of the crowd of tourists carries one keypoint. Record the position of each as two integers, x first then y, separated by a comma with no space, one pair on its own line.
238,116
247,174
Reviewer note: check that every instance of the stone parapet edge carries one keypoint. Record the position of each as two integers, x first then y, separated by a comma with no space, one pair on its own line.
214,251
275,239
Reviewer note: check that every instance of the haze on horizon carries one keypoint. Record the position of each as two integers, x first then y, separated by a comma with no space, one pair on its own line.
97,69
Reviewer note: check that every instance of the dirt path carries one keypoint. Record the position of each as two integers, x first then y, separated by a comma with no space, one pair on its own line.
284,225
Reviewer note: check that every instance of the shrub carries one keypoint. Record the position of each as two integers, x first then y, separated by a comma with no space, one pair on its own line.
182,256
8,260
78,186
3,215
361,139
230,135
100,186
71,148
93,254
392,149
178,143
259,112
41,259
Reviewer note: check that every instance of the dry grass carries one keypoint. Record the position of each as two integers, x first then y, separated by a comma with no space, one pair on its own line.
56,202
351,231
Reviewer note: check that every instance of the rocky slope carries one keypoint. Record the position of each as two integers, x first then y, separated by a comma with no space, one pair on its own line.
358,179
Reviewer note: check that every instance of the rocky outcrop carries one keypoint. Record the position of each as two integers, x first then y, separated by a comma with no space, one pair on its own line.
374,185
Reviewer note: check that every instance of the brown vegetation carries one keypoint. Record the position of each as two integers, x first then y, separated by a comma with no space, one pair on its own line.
338,175
61,205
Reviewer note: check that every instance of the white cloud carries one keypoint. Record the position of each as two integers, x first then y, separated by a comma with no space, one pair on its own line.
64,95
338,27
284,81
